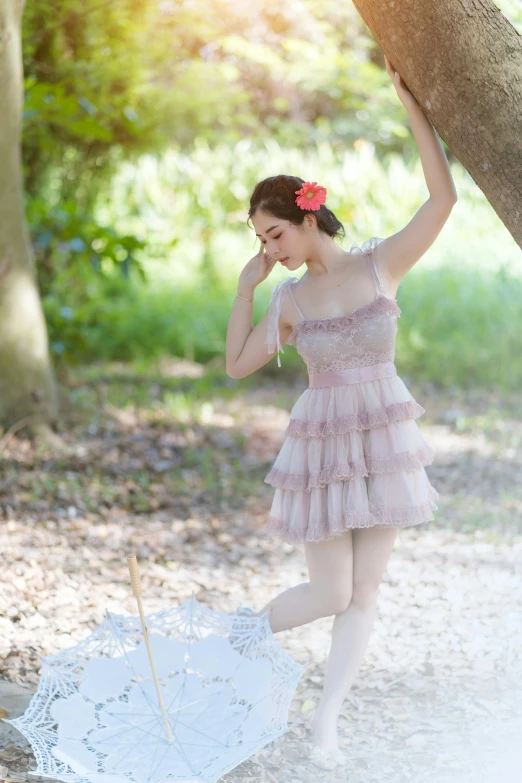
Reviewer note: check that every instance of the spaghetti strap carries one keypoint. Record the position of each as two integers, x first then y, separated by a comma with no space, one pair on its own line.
296,305
375,273
371,249
272,339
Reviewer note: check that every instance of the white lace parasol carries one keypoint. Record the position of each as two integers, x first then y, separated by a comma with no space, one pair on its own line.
102,715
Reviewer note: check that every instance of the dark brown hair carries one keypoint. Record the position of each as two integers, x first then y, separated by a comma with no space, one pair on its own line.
277,196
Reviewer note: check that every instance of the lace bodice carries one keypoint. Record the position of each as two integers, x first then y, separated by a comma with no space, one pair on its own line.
364,337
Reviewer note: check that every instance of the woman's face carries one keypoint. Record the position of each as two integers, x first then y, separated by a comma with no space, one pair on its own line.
283,240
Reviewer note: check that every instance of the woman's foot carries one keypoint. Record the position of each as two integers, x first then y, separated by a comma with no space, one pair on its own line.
324,749
324,732
320,757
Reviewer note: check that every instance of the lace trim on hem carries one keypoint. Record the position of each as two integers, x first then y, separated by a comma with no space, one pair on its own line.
397,411
349,520
345,470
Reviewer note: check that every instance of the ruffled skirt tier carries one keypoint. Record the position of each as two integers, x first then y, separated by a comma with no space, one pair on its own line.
353,457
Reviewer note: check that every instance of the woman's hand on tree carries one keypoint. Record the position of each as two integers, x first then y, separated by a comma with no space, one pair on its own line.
405,96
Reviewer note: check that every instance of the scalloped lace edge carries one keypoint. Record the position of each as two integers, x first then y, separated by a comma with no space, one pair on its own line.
380,304
345,470
349,520
397,411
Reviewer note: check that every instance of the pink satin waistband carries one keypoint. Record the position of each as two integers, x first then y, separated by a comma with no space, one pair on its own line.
352,375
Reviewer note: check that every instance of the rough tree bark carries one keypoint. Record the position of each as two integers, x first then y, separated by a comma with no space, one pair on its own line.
462,60
27,386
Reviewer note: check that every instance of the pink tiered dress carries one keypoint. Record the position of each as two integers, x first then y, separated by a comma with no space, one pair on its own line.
353,455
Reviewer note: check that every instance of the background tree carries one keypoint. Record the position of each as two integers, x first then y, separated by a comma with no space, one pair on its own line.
463,63
27,388
106,82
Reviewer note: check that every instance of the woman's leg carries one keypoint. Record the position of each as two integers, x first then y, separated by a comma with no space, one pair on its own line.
328,591
351,629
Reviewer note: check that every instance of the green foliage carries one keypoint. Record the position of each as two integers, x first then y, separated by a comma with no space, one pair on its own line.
66,240
450,325
108,81
81,266
48,104
236,92
84,98
192,209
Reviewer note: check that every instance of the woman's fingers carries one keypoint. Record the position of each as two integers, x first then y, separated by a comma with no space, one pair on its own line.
389,67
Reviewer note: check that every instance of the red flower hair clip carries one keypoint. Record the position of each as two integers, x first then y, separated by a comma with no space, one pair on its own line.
310,196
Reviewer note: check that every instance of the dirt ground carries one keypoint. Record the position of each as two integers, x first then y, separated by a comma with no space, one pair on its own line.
438,697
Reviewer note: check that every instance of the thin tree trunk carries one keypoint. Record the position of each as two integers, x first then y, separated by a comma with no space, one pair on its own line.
27,387
462,60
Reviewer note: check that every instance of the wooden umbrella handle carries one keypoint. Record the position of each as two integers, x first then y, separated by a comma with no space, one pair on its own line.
134,575
136,589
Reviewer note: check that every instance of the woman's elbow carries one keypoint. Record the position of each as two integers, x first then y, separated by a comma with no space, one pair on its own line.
234,373
237,376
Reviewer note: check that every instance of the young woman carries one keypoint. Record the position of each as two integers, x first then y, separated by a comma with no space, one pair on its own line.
350,472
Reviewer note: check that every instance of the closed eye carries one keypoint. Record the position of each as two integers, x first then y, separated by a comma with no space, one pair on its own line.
277,237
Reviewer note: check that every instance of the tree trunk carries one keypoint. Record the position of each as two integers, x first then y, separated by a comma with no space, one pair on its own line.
462,60
27,387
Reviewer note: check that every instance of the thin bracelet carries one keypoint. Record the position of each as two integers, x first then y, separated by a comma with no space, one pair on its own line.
244,297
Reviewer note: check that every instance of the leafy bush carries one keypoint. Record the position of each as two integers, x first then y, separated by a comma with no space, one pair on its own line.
81,267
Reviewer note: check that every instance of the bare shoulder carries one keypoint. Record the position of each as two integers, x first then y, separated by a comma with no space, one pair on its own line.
377,255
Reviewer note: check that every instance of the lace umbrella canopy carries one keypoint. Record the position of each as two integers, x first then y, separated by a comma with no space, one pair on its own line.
226,687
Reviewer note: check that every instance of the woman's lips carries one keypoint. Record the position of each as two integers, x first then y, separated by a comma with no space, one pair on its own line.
284,260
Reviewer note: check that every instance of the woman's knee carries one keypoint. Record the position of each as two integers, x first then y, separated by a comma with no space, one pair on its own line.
364,595
330,569
333,601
